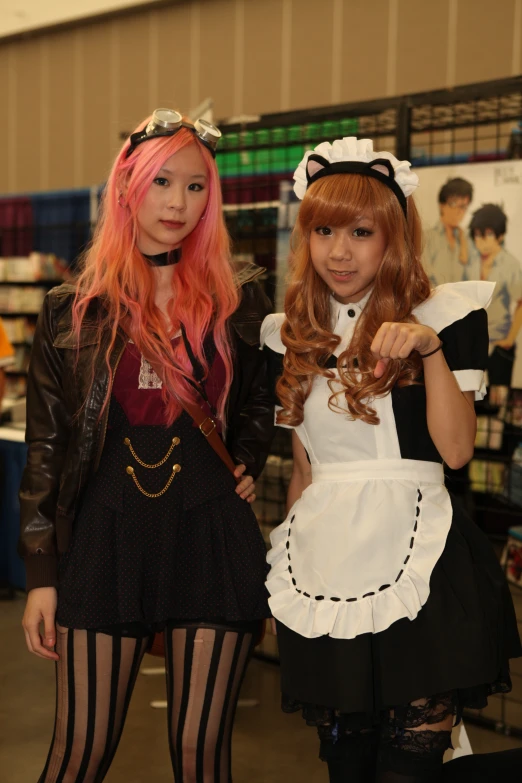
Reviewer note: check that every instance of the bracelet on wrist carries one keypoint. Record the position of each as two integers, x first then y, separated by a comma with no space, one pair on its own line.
438,348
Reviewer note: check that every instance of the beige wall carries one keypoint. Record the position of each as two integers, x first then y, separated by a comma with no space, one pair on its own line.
67,96
24,15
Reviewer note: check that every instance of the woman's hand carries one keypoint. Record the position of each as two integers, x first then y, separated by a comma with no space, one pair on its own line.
41,607
398,340
507,344
450,412
246,487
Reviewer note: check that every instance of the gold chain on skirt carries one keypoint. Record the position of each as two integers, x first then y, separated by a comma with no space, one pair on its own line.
175,442
175,468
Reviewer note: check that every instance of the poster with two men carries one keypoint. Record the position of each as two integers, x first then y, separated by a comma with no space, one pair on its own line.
472,219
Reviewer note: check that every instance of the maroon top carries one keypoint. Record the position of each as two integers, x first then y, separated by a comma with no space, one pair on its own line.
136,387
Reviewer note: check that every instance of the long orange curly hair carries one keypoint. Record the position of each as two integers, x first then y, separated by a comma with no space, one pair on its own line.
400,285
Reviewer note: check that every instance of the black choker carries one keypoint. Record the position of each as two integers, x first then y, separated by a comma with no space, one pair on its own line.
164,259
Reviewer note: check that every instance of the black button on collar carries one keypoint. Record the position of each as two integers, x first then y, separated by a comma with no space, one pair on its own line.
351,312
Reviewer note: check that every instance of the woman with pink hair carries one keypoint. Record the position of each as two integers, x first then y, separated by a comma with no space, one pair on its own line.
132,524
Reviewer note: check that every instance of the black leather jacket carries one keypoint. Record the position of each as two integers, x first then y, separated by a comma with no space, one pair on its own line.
66,437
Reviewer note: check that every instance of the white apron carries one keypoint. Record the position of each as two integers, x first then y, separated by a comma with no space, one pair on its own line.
357,549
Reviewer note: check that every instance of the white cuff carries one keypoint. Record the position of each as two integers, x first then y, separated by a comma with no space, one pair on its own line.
472,380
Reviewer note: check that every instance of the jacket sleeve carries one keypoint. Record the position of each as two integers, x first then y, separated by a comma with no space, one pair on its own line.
47,437
252,424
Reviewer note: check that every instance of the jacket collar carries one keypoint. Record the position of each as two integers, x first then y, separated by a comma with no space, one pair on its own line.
246,271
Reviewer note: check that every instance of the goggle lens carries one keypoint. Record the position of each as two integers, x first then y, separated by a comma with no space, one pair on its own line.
166,122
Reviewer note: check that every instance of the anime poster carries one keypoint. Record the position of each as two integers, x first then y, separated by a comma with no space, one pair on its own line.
472,219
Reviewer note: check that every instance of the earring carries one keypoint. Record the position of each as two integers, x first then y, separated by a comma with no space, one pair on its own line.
119,200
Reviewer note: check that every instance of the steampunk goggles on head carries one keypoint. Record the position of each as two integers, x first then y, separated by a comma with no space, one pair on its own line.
167,122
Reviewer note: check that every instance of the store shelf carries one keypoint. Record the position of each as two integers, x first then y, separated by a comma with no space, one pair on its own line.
489,455
251,206
484,408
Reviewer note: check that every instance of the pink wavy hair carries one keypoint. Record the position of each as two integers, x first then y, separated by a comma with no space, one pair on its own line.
203,288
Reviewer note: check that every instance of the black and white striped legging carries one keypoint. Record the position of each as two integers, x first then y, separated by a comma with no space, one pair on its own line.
205,665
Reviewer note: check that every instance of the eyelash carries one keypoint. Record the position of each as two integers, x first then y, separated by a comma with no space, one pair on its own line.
365,232
163,182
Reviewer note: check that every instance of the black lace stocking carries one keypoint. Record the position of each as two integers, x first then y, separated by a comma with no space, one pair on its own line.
407,746
414,739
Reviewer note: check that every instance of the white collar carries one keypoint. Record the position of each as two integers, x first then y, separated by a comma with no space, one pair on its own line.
337,308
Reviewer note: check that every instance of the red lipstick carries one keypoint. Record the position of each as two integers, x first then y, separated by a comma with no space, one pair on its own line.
172,224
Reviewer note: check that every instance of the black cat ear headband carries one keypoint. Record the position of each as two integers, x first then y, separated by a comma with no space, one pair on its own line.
356,156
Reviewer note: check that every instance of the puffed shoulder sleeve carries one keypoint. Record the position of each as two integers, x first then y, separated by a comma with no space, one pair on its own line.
274,350
271,333
457,312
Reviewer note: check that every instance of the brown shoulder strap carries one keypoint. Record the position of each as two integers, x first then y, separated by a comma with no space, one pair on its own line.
207,426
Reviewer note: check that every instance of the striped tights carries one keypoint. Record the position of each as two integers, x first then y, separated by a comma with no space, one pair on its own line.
205,665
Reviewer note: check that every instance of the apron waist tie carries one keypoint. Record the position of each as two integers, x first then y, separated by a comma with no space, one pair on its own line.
361,470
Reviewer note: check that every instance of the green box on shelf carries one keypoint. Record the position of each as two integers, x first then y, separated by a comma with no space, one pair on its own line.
246,138
295,154
232,140
314,131
246,162
284,159
278,135
278,160
262,136
331,129
266,161
294,133
229,164
273,160
262,160
350,126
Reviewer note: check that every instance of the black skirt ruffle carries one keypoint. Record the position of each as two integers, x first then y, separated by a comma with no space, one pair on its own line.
461,641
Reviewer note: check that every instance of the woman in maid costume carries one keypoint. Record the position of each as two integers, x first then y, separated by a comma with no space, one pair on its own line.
392,611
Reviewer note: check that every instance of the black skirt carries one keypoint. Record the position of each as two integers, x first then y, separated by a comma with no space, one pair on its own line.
461,641
195,552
